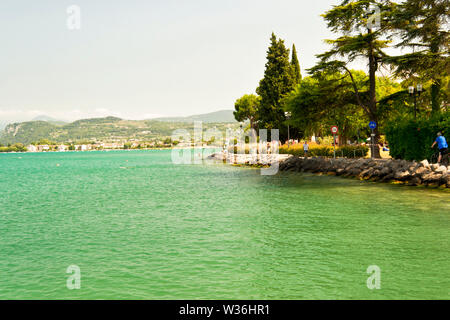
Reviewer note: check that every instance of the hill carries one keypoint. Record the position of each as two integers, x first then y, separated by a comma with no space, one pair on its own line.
98,129
48,119
223,116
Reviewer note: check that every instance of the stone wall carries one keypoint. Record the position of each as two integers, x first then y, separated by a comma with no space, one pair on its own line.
411,173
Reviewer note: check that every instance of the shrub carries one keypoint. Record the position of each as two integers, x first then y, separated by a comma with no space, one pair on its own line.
410,139
353,151
18,147
349,151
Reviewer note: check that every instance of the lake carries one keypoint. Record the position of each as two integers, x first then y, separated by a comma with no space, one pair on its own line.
140,227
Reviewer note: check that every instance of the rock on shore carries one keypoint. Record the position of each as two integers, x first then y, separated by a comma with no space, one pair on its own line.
383,170
248,159
411,173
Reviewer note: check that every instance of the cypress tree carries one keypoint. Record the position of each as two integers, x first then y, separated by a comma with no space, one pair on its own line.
278,81
296,66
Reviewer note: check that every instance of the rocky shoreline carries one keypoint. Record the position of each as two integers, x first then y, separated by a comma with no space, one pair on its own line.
407,172
383,170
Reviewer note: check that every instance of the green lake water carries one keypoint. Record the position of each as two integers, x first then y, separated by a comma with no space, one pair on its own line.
140,227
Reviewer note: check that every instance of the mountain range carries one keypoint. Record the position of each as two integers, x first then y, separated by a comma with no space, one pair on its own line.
213,117
108,129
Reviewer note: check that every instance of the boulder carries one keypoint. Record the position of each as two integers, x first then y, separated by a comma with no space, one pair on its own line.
424,164
415,181
447,180
434,166
421,171
388,177
444,178
376,173
431,178
385,171
354,172
402,175
441,169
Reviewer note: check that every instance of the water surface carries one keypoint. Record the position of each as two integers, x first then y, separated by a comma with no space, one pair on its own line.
142,228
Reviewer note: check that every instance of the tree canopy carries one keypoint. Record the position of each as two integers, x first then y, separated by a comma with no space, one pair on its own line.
246,108
278,81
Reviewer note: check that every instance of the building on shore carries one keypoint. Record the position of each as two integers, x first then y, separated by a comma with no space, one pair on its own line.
43,148
32,148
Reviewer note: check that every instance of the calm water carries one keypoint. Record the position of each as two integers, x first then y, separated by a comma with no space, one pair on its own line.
142,228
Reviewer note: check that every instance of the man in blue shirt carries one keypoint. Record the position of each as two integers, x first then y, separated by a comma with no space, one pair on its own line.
442,145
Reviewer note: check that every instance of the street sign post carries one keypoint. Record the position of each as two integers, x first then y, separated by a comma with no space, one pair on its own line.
334,131
373,126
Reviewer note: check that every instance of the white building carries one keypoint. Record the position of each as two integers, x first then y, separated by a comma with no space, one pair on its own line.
62,148
32,148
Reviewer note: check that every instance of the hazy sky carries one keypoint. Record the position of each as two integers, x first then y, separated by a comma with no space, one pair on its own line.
139,59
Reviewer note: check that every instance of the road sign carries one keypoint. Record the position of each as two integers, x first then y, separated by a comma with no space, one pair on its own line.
334,130
373,126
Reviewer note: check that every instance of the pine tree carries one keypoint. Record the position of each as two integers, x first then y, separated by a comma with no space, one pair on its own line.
421,26
360,38
296,66
278,81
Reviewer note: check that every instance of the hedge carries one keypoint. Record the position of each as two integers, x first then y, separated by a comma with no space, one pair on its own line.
411,139
327,151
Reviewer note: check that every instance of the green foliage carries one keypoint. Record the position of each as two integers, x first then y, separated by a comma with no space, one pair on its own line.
17,147
411,139
278,81
327,151
329,99
247,108
422,26
359,39
45,142
351,151
296,66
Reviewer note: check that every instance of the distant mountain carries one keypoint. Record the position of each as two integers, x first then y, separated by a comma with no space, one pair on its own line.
99,129
223,116
48,119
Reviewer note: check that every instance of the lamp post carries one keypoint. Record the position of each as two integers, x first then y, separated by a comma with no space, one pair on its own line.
288,117
414,92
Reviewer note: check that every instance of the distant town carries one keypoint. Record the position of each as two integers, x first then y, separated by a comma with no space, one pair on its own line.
47,146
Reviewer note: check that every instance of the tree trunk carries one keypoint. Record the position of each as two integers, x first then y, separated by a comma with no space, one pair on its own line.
436,85
435,89
373,66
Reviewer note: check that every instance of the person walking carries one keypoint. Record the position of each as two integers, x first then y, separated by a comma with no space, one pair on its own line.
442,145
306,148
